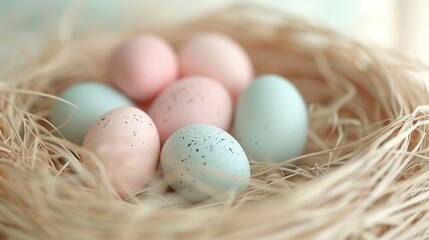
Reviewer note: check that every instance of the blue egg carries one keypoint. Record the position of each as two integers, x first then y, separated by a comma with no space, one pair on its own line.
202,161
92,99
271,120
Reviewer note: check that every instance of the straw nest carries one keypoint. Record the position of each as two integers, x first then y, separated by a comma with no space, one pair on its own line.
364,174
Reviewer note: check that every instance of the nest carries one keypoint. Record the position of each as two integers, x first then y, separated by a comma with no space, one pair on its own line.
364,174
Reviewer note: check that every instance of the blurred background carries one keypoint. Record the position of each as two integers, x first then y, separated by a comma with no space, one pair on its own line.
400,24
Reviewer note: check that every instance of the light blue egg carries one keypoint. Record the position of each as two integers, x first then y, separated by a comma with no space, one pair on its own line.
92,100
201,161
271,120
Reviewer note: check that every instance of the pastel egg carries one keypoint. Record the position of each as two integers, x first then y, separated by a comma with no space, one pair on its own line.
142,66
202,161
127,143
191,100
271,120
92,99
219,57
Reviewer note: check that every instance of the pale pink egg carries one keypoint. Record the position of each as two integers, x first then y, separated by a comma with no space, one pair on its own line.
219,57
142,66
127,143
192,100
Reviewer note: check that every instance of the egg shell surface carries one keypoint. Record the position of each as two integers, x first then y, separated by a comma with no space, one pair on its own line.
201,161
219,57
92,99
271,120
142,66
127,142
191,100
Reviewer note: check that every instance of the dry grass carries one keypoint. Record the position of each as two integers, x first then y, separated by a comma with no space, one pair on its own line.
364,175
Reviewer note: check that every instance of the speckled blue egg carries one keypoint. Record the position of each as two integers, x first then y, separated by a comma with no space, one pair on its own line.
92,99
202,161
271,120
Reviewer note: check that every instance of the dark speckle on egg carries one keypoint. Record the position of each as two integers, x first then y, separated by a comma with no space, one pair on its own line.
231,150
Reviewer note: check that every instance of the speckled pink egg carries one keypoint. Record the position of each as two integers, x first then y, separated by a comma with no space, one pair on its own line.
127,142
191,100
219,57
142,66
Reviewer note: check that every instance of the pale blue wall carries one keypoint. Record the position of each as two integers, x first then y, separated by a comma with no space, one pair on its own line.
341,15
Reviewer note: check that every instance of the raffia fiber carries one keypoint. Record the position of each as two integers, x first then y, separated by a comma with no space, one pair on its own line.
364,174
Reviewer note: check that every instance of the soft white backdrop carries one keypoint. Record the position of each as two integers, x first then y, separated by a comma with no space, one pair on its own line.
401,24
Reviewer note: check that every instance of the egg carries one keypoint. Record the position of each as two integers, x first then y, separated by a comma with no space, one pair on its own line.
126,141
142,66
191,100
91,100
271,120
219,57
202,161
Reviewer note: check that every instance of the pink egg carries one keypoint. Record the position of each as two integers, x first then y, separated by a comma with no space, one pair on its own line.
191,100
142,66
219,57
127,142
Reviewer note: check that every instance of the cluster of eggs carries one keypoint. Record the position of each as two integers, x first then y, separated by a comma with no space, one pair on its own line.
181,112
